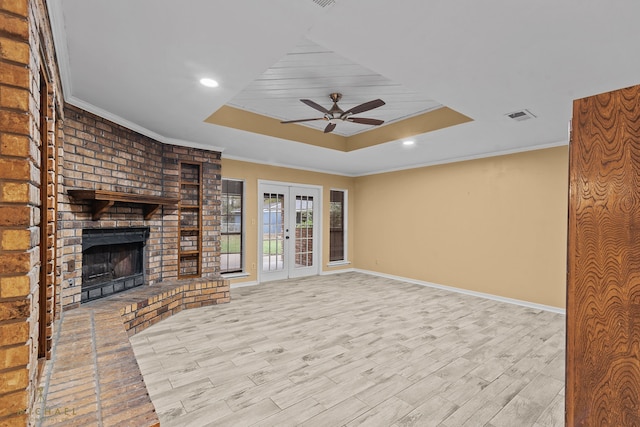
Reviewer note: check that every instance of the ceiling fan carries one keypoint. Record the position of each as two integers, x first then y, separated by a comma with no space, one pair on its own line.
336,113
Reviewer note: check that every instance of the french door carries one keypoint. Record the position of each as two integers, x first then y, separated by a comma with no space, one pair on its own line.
289,230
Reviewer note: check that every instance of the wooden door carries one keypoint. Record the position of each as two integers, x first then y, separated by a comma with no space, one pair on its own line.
603,286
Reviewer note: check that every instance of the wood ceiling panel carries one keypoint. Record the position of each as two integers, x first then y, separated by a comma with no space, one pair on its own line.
313,72
322,82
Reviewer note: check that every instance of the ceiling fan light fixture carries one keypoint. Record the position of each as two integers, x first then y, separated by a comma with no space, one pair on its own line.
336,113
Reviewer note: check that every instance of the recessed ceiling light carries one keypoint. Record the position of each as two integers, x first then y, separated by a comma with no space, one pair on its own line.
408,142
208,82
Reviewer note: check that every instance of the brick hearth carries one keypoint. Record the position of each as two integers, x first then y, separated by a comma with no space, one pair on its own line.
93,377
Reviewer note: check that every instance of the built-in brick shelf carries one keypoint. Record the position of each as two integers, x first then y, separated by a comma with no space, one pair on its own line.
93,377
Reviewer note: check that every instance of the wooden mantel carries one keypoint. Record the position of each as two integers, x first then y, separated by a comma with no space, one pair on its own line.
103,200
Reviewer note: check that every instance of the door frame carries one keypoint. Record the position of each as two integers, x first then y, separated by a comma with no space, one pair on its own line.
317,218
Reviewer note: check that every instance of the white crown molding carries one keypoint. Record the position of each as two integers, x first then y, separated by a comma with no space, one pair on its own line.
135,127
409,167
472,157
522,303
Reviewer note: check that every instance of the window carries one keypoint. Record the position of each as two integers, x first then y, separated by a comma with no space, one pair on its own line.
337,226
231,247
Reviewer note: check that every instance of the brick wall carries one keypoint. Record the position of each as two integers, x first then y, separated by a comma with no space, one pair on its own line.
40,256
211,201
28,77
99,154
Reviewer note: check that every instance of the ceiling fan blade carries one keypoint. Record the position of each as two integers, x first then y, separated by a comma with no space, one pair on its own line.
302,120
330,127
364,121
364,107
317,106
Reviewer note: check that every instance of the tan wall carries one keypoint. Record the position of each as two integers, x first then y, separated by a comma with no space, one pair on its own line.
495,225
252,172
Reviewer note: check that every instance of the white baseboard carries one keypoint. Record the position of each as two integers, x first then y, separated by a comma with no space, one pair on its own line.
344,270
244,284
431,285
322,273
468,292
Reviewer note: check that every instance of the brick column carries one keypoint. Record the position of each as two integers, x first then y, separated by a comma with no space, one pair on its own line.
19,214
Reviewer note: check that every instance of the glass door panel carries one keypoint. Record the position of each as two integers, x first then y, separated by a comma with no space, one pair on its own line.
273,234
304,231
288,247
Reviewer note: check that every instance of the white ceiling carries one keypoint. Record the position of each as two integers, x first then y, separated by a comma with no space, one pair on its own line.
138,63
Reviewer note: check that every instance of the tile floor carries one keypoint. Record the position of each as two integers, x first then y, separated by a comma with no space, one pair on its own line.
354,349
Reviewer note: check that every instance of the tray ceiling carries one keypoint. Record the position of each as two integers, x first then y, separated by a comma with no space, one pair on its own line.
310,71
139,63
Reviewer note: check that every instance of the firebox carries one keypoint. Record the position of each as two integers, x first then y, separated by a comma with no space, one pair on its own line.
112,260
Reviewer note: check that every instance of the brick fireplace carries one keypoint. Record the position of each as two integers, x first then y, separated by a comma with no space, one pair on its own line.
102,157
112,260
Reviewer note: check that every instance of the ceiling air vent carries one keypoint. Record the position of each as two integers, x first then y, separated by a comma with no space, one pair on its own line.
521,115
324,3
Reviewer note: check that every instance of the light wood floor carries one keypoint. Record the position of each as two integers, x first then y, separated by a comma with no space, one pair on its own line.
355,349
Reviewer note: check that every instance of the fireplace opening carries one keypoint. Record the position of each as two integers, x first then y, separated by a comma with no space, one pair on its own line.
112,260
